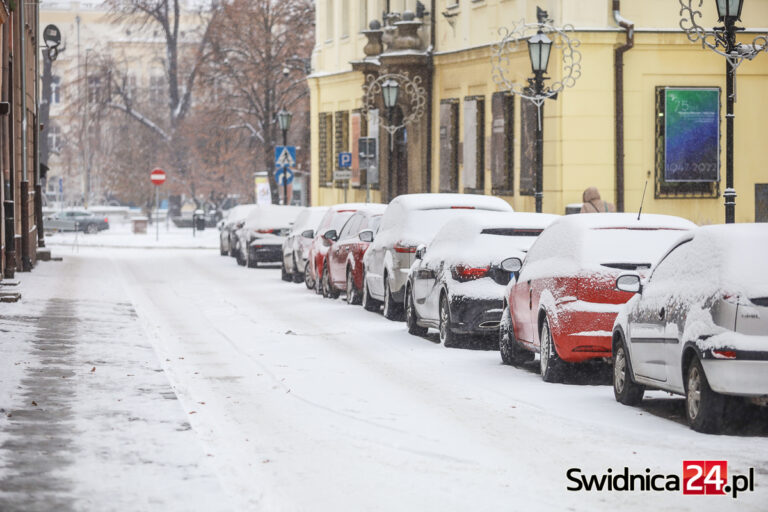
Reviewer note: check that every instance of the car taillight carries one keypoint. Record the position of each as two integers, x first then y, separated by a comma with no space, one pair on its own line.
724,354
464,273
106,219
265,230
404,248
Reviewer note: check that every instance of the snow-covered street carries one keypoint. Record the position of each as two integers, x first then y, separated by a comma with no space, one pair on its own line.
296,402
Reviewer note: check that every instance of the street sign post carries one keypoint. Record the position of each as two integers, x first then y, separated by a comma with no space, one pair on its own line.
368,160
345,160
157,177
285,158
284,176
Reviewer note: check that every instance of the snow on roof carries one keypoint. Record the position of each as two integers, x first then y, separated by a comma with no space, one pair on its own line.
350,206
440,201
239,212
272,216
374,208
624,220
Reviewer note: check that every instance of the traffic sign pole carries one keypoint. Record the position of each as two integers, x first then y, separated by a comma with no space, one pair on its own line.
285,179
157,177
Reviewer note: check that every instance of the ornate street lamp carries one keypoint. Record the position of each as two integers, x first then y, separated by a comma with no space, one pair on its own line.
722,40
284,120
539,49
389,86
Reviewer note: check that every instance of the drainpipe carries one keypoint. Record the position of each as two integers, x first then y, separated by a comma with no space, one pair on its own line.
23,60
618,67
430,92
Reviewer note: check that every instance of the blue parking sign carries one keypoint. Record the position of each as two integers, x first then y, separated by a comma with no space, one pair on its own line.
345,160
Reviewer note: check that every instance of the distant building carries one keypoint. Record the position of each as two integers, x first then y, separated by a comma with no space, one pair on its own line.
475,137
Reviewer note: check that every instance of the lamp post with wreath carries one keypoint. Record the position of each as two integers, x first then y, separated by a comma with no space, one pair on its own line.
542,37
394,88
722,41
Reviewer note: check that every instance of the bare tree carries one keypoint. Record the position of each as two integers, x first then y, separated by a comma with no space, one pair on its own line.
251,41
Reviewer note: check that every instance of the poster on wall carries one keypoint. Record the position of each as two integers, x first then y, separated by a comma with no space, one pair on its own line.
692,134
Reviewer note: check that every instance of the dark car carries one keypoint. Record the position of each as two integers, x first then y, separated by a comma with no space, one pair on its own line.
76,220
456,285
343,268
261,238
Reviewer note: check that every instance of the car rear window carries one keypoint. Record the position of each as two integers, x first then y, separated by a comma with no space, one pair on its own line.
511,232
627,248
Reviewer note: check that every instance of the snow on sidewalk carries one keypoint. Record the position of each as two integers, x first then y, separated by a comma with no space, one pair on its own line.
88,419
119,235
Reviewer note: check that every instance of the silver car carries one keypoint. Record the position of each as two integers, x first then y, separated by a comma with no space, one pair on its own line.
409,221
699,325
296,246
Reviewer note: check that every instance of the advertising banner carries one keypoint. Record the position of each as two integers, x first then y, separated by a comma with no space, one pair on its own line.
692,134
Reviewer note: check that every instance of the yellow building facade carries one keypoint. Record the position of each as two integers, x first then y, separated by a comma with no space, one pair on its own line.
475,137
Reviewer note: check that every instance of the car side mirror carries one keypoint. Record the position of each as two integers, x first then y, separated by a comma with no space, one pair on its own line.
331,235
366,235
629,283
310,233
511,265
421,250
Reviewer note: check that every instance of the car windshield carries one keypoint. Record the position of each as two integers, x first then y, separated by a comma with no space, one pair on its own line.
422,225
627,248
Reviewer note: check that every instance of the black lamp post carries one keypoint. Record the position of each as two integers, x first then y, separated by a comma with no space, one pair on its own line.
539,48
284,120
389,91
729,12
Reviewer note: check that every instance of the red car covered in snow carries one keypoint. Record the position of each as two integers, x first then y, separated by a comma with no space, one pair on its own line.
333,220
343,269
564,300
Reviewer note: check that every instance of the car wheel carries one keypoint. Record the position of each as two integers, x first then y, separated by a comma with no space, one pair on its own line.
232,249
249,262
329,292
411,316
353,296
392,310
284,275
91,229
552,367
239,257
221,249
297,277
447,336
308,281
511,351
626,390
703,407
369,303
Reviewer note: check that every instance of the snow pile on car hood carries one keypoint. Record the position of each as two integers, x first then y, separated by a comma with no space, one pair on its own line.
270,216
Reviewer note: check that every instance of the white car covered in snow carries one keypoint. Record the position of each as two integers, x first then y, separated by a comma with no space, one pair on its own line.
261,238
456,284
699,325
409,221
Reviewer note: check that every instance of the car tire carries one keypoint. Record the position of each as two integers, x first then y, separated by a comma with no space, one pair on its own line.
232,251
704,407
447,336
308,281
511,351
284,275
353,296
239,257
625,389
329,292
552,367
221,249
411,316
392,310
91,229
297,277
249,262
368,302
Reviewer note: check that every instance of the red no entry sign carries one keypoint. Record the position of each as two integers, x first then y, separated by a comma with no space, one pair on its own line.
157,176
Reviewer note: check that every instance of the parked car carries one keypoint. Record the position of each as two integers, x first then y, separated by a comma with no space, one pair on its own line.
564,301
261,238
296,246
76,220
456,284
698,326
333,220
228,227
343,268
408,221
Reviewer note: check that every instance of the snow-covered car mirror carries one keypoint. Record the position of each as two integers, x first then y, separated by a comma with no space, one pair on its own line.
310,233
511,265
421,250
629,283
331,235
366,235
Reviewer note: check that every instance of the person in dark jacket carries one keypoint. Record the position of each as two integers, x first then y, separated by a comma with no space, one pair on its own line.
593,204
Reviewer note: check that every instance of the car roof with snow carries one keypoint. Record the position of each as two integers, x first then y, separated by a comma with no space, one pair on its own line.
583,221
349,206
272,216
446,201
239,212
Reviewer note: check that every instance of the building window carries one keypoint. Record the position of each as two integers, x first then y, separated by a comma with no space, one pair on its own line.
94,89
54,138
692,117
474,144
502,143
340,134
156,88
345,18
325,142
449,145
130,86
56,90
329,19
529,120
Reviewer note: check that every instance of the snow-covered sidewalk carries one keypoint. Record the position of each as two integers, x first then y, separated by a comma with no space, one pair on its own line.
88,418
119,235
